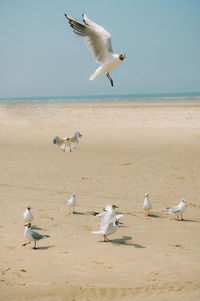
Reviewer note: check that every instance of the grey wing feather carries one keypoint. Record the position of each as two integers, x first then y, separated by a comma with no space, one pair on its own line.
36,235
57,140
99,41
106,35
176,210
78,27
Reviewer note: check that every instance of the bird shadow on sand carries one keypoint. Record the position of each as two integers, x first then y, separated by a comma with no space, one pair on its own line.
126,241
155,215
79,213
44,248
190,220
37,228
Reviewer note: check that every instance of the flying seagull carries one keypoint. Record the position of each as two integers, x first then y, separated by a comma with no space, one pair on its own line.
178,210
32,235
99,42
68,143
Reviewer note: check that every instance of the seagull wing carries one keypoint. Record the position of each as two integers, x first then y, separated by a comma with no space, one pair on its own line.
98,41
115,218
174,209
36,235
57,140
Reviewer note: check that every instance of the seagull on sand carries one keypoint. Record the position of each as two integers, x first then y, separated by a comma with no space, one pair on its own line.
99,42
178,210
72,202
27,215
109,227
108,221
147,204
32,235
68,143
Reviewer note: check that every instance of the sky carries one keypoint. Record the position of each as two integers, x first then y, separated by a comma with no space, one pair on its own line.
41,56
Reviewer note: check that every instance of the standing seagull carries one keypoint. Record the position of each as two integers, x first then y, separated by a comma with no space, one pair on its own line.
99,42
178,210
32,235
147,204
27,215
72,202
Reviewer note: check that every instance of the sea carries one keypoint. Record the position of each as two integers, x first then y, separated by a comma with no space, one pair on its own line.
170,97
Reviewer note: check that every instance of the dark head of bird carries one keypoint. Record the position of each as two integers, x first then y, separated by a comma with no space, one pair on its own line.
28,225
122,56
28,208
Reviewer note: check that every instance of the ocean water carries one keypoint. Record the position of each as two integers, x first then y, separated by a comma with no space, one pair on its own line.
193,96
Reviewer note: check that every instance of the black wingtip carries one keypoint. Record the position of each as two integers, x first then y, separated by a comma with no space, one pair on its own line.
83,17
65,15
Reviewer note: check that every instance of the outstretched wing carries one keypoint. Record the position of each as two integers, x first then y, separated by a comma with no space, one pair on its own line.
98,41
115,218
57,140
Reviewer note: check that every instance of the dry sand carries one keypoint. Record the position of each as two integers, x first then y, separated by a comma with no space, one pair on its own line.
127,149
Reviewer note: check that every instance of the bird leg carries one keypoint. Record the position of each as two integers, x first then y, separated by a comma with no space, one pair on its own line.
105,238
110,79
34,245
26,244
182,217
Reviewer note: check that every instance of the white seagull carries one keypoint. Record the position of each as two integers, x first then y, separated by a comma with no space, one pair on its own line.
109,227
68,143
107,213
32,235
99,42
71,202
178,210
108,221
27,215
147,204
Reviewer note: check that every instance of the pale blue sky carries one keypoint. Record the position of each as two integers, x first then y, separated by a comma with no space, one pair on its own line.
41,56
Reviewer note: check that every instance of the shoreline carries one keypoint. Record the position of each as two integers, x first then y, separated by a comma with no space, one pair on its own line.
141,102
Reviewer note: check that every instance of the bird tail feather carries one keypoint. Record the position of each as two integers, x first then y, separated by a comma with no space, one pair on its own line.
93,75
98,232
45,236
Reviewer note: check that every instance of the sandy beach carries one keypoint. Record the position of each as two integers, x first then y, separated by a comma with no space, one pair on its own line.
127,150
